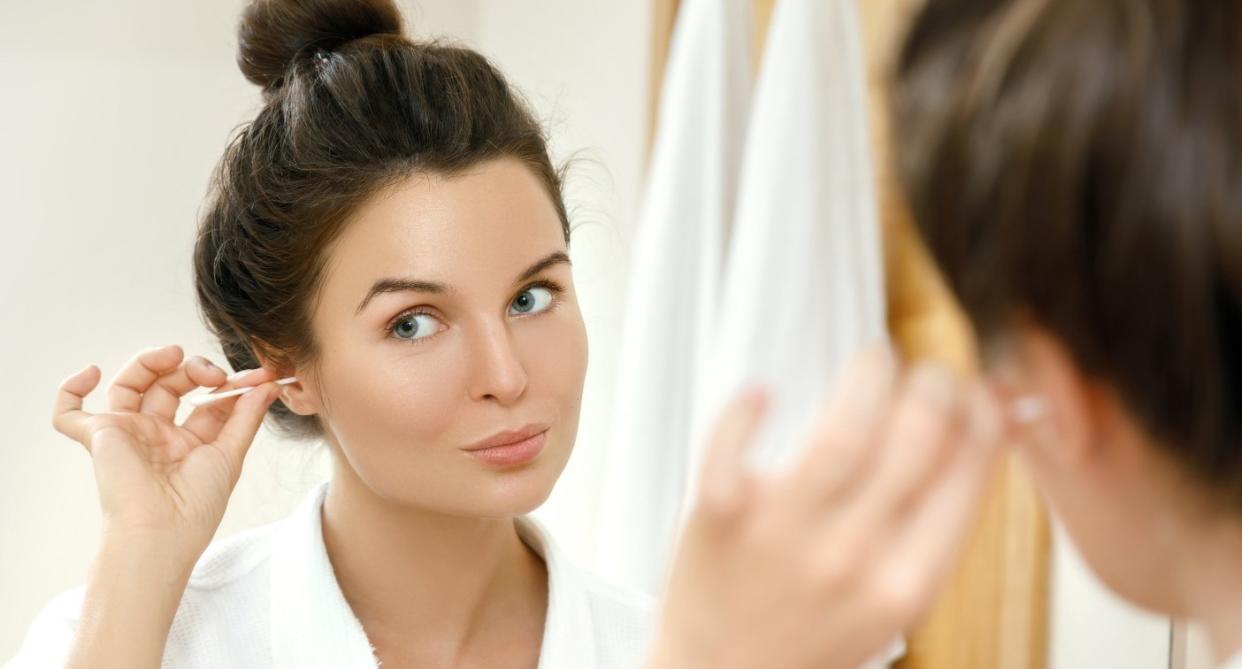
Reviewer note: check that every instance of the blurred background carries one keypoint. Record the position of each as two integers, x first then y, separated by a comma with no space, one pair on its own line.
114,115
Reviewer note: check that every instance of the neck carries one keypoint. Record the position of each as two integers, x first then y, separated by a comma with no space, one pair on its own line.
1211,578
429,580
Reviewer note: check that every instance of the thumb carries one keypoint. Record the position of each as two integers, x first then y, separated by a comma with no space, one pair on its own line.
724,467
239,430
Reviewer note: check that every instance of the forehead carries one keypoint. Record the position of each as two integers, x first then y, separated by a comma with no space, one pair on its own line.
493,220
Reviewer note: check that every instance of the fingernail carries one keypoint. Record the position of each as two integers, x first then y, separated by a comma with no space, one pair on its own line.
757,397
754,393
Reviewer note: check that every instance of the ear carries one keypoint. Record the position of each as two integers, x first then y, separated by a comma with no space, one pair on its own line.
301,396
1037,364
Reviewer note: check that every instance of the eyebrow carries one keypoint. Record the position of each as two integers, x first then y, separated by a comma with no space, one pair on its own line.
401,285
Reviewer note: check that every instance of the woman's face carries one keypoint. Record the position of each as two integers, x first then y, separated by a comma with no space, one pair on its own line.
448,318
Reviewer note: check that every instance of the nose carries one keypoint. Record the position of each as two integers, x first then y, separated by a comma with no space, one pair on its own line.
498,373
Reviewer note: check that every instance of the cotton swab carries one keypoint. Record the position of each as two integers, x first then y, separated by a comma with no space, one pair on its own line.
200,400
1028,409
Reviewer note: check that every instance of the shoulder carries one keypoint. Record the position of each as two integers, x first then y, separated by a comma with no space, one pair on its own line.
623,612
619,622
223,619
623,620
227,569
619,604
607,599
48,639
229,560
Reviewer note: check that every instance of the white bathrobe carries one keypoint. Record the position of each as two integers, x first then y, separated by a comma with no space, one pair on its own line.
268,598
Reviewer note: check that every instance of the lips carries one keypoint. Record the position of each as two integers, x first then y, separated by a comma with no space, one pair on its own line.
510,447
508,437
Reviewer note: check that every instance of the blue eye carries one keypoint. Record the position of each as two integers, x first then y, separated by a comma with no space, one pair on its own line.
531,301
415,326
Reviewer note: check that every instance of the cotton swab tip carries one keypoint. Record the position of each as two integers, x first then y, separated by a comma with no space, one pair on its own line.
1028,409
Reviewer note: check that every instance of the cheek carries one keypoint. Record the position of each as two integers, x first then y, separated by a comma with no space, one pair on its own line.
387,396
557,355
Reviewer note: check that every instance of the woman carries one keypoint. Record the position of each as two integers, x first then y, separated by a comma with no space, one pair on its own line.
390,231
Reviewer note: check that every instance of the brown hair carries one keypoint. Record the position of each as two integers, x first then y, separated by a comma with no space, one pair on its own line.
1078,163
351,106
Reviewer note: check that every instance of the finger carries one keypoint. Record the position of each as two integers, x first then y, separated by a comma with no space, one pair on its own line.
206,421
989,422
724,463
843,441
126,390
67,415
164,395
927,426
239,430
250,377
926,545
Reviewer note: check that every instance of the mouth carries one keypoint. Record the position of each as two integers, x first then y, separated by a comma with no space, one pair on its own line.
510,448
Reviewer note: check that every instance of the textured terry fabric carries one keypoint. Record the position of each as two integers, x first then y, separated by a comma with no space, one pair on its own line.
268,598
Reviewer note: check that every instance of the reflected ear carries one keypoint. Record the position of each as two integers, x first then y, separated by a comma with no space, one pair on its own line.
1038,367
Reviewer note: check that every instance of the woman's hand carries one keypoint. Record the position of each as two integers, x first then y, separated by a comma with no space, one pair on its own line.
824,565
159,480
163,488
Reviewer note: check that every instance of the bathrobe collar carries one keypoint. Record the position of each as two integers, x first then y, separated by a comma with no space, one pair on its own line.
313,626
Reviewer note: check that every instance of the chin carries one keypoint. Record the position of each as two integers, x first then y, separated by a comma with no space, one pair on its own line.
516,491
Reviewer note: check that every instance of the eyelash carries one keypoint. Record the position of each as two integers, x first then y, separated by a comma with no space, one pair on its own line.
549,285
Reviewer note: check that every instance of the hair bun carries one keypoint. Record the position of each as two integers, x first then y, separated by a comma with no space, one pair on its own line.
274,34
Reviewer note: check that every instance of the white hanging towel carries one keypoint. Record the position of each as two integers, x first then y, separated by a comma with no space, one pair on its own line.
803,287
673,284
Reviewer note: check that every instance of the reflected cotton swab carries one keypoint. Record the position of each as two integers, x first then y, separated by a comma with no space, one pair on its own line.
1028,409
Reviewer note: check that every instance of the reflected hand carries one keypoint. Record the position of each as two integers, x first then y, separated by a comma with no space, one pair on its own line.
825,564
